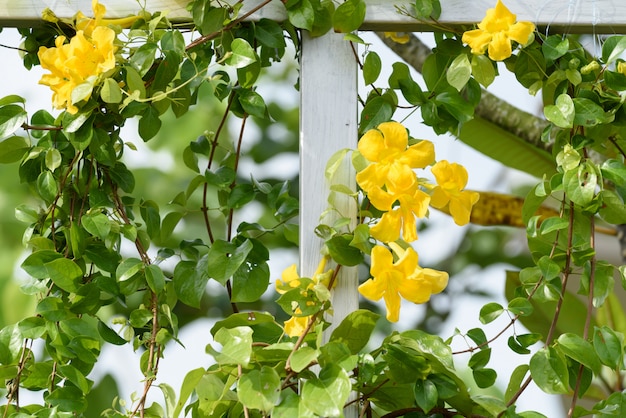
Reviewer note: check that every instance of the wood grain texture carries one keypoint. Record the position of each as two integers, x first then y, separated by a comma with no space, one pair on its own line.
556,16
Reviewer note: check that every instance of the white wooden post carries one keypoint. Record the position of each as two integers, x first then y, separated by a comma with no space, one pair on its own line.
328,123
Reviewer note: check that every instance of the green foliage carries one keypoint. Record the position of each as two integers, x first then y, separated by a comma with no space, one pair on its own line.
111,261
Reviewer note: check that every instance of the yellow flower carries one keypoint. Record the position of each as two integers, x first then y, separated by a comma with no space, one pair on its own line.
413,203
621,67
392,162
391,280
451,180
496,31
78,62
396,37
296,325
87,25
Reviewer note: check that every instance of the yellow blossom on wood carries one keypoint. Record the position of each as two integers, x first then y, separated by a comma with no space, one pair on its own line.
496,31
451,180
402,278
77,63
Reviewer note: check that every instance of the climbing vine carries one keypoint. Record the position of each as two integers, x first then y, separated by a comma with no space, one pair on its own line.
107,266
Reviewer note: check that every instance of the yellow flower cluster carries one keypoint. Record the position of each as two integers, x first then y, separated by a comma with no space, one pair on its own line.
80,62
496,31
405,278
296,325
393,187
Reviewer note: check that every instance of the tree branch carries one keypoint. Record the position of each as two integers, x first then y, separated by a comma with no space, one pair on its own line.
491,108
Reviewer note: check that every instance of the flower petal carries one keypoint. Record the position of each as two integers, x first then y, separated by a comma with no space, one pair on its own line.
521,31
478,40
388,228
500,47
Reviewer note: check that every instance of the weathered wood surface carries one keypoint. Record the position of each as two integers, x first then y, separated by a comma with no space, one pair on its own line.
591,16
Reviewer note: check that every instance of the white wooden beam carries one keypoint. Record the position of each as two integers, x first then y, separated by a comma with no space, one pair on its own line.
556,16
328,123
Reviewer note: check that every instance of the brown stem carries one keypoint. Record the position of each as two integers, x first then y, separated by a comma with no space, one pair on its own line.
592,275
211,36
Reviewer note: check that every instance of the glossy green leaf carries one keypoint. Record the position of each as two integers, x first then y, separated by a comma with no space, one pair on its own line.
580,185
371,67
426,394
580,350
13,149
149,123
65,273
561,113
252,103
190,280
355,329
342,252
549,371
109,335
589,113
375,112
608,344
97,224
259,389
303,358
520,307
236,345
349,16
12,117
613,209
32,327
326,395
483,70
68,399
110,91
301,14
554,47
490,312
241,55
459,72
612,48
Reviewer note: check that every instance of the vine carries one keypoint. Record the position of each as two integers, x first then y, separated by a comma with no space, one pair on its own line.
93,289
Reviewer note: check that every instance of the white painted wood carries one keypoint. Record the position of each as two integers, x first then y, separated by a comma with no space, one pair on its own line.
328,123
590,16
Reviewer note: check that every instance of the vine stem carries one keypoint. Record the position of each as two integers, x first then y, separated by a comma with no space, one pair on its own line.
557,311
211,36
592,275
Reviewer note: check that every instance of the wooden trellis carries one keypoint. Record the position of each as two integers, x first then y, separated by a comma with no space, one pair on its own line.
329,82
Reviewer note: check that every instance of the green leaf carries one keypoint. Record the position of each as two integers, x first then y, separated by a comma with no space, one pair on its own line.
65,273
32,327
73,375
191,380
109,335
242,54
81,137
155,278
490,312
190,279
371,67
554,47
483,70
608,344
589,113
252,103
613,170
426,394
484,377
520,307
342,252
68,399
236,345
427,9
250,280
459,72
150,214
561,113
97,224
303,357
375,112
259,389
612,48
301,14
149,123
12,117
613,209
111,91
580,185
349,16
13,149
355,329
128,268
549,371
326,395
580,350
47,186
269,33
515,382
